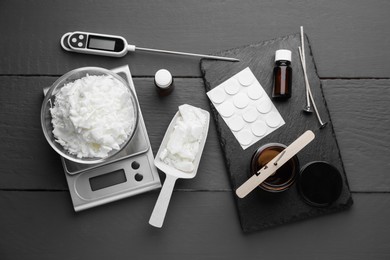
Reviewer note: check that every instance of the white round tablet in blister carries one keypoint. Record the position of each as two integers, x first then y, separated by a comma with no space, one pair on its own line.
250,115
246,78
272,120
245,137
259,128
241,100
232,88
217,95
236,123
264,106
254,92
226,109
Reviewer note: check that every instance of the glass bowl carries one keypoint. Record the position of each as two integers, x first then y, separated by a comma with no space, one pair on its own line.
48,103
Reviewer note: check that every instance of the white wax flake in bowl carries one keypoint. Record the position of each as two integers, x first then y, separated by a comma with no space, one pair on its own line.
183,144
92,116
246,108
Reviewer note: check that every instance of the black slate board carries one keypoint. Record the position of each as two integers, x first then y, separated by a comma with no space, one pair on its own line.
260,209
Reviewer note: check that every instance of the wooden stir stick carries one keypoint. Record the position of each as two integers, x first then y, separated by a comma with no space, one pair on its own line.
275,164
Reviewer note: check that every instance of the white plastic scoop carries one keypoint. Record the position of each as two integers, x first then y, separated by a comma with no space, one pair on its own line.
172,174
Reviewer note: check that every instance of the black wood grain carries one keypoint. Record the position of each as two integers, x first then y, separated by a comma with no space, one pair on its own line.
360,114
349,38
360,123
28,162
198,225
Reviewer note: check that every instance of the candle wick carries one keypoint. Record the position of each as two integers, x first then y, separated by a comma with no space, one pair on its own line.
280,156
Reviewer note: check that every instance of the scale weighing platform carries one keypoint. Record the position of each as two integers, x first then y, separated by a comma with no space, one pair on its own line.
128,173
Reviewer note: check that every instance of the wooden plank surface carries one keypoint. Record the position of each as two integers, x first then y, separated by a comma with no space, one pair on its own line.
349,38
42,225
360,115
362,148
30,163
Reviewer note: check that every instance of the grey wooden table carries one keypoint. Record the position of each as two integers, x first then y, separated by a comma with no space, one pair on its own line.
350,43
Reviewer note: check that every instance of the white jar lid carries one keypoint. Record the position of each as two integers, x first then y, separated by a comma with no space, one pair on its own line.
163,78
283,55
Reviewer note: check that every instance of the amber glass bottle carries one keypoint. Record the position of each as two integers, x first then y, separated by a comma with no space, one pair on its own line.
282,75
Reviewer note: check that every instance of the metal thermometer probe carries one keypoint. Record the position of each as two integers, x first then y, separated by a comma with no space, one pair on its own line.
114,46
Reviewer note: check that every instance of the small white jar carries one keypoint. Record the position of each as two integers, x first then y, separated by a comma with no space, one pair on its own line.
164,82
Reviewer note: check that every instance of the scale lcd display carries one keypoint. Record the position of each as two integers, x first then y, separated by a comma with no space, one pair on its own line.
101,43
107,180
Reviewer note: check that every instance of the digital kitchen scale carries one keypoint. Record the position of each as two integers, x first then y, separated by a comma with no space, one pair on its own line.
128,173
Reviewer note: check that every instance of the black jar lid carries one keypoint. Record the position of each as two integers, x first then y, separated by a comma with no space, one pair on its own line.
320,183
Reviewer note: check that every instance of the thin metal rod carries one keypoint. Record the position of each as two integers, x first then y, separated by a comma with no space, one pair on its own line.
188,54
280,156
307,107
322,124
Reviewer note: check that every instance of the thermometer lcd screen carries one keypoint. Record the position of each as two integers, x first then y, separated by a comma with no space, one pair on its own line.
101,43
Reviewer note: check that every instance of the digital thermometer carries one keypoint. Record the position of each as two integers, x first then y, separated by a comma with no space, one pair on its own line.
114,46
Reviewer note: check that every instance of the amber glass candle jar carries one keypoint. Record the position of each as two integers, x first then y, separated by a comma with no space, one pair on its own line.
284,177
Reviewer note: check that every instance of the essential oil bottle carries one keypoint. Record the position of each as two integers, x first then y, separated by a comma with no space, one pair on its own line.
282,75
164,82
